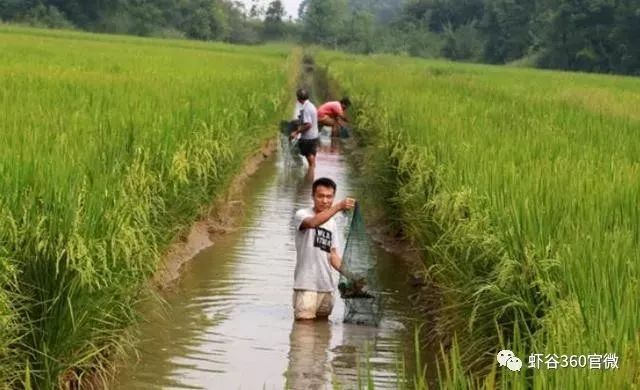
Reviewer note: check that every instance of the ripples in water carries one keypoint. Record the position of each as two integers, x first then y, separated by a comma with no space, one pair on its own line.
230,323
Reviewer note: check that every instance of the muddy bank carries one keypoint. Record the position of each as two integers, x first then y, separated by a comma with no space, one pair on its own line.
221,217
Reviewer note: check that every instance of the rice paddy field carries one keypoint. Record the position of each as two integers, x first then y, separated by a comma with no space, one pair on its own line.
521,188
111,146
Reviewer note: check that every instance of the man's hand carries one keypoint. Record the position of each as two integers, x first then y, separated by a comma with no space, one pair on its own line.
347,203
299,130
323,216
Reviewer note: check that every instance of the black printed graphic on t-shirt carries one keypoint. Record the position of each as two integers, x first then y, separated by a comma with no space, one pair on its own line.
322,239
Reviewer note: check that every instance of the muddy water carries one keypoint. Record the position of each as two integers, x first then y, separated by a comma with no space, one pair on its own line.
229,322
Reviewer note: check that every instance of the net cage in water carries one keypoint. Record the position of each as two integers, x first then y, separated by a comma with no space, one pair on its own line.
358,285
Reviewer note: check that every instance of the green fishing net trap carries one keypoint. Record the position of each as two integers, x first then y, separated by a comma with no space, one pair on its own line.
358,284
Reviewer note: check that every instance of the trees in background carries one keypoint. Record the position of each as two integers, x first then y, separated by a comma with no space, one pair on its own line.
507,28
273,20
323,21
588,35
358,25
194,19
594,35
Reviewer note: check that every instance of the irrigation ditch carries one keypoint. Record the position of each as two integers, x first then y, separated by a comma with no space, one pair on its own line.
227,289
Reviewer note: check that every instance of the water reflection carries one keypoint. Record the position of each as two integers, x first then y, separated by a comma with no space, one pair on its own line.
309,364
230,323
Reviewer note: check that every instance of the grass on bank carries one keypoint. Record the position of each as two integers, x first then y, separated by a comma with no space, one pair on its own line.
522,189
110,146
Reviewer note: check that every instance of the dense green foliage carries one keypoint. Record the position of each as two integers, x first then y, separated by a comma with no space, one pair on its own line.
195,19
110,146
594,35
586,35
521,189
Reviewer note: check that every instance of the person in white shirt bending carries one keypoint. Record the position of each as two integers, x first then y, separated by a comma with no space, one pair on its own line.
307,116
317,251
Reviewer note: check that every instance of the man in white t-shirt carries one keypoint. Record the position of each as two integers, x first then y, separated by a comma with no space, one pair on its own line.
317,252
307,116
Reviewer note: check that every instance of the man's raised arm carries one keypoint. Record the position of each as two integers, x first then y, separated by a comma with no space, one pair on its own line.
323,216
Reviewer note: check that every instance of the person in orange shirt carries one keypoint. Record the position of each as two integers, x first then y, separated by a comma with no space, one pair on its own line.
332,114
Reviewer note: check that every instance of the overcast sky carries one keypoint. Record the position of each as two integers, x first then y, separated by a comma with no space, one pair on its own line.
290,6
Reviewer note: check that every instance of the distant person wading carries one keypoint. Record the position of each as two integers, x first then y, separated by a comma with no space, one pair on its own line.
333,114
307,116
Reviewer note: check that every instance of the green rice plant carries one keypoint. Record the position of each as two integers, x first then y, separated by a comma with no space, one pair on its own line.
521,189
110,147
